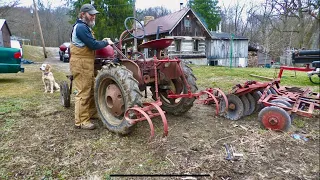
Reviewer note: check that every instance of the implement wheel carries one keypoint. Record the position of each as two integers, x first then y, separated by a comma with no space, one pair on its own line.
275,118
115,91
235,108
179,105
64,94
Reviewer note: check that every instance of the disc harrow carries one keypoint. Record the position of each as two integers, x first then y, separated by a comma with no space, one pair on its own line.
276,105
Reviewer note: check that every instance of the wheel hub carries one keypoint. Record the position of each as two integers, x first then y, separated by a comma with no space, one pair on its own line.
232,106
114,100
273,121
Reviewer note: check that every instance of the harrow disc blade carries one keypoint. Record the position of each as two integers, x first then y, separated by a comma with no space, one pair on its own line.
257,95
252,103
235,107
283,102
246,105
273,91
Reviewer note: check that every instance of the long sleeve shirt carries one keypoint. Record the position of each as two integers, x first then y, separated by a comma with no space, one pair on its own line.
82,36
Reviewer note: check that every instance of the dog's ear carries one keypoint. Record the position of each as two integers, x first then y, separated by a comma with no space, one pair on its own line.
48,67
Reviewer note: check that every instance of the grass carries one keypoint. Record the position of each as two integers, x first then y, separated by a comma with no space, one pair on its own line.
299,123
34,53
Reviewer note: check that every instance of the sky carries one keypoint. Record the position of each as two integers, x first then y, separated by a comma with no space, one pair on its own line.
173,5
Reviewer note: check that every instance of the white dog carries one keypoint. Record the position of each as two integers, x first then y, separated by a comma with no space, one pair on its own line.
48,79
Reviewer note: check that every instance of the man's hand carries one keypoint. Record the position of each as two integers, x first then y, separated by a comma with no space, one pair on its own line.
108,40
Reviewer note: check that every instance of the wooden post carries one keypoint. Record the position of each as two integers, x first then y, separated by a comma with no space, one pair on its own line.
41,36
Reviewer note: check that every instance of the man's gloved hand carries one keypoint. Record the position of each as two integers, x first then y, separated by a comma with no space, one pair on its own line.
108,40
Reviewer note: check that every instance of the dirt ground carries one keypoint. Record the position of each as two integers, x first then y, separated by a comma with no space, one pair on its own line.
43,144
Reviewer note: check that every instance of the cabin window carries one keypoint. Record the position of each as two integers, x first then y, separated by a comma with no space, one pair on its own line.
196,45
186,22
178,44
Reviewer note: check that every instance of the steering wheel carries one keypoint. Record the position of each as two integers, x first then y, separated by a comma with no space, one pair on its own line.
138,54
129,22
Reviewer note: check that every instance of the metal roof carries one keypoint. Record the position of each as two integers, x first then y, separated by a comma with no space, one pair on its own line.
169,22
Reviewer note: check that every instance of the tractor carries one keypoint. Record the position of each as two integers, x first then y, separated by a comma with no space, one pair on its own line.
120,81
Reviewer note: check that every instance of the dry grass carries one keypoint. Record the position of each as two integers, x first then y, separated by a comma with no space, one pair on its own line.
33,53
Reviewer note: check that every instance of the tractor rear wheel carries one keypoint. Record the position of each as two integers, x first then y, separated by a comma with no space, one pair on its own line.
115,91
179,105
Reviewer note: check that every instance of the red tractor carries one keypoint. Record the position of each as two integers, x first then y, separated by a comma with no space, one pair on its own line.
120,81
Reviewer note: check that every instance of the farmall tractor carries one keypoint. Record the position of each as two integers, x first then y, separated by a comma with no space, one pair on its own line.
120,82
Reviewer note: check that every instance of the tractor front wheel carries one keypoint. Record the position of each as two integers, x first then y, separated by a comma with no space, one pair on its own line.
115,91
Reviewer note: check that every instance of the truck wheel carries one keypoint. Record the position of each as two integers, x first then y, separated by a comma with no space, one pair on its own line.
65,94
180,105
64,59
115,91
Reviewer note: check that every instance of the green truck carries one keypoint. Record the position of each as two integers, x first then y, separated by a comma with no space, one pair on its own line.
10,60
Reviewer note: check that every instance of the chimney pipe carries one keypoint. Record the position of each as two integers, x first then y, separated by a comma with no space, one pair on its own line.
181,5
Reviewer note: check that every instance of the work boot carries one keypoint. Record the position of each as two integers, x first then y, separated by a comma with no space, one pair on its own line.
95,117
87,126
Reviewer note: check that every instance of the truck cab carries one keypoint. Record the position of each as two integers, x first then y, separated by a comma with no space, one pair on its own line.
10,60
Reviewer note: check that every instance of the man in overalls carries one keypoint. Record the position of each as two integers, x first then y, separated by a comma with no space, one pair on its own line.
82,49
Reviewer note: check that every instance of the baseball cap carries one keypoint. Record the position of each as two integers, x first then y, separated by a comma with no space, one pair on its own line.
88,8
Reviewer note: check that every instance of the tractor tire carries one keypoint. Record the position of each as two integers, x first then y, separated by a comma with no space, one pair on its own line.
252,103
115,91
235,109
180,105
275,118
65,94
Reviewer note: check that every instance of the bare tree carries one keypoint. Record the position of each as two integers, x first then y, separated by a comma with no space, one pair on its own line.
5,6
153,11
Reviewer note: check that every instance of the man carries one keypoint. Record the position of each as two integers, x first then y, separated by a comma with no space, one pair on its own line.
82,49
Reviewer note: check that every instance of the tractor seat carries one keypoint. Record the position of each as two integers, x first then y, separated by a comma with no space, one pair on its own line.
157,44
